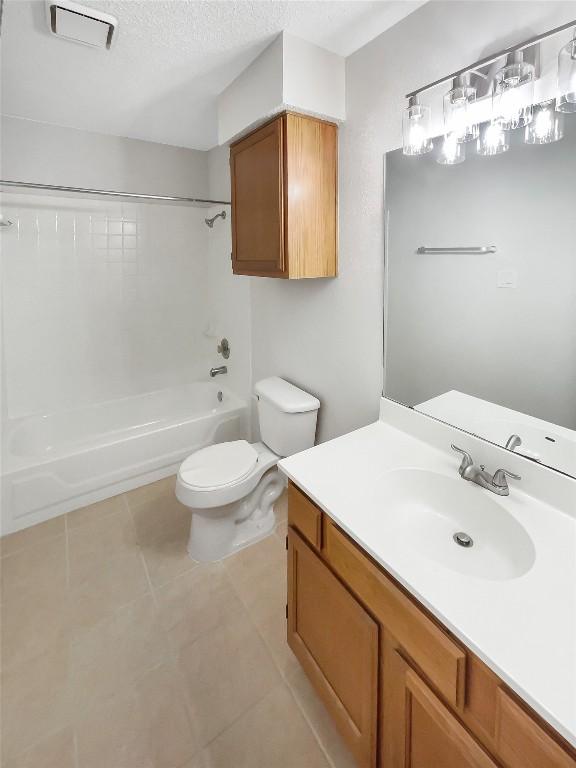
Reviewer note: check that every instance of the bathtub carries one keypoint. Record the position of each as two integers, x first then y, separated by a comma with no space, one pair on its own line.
55,463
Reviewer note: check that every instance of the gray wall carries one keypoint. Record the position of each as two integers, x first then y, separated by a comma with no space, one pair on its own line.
448,324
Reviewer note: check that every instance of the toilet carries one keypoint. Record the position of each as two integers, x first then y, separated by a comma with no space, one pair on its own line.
231,487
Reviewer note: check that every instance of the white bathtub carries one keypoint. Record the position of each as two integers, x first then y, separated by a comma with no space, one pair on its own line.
54,463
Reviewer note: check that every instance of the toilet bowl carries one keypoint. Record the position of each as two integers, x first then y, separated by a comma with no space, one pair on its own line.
231,488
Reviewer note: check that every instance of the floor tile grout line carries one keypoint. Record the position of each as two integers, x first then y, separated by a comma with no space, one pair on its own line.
187,698
76,752
172,654
284,678
310,725
37,742
282,675
67,552
252,706
24,547
141,553
281,680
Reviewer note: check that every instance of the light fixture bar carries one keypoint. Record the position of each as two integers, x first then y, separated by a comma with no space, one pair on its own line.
494,57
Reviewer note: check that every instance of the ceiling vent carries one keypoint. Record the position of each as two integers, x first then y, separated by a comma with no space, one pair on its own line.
81,24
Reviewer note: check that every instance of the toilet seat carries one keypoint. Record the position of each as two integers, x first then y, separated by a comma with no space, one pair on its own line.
218,465
250,462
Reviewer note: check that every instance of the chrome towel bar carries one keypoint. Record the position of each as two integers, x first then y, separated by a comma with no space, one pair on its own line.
475,249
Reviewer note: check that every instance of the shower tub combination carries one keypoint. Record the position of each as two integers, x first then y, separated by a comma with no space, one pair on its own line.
55,463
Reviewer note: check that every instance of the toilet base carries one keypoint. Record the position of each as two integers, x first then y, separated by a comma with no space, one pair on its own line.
216,533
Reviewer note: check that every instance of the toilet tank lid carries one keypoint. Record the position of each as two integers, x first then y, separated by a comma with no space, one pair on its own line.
285,396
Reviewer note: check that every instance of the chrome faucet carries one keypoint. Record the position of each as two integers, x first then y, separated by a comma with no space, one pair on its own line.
218,371
513,442
497,483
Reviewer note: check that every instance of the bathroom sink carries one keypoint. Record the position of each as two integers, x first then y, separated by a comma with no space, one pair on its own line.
426,510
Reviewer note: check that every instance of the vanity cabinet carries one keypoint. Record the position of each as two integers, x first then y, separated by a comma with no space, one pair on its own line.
325,625
422,730
401,689
284,199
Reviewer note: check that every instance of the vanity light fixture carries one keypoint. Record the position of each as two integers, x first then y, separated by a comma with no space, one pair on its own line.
452,151
416,128
492,140
566,98
458,121
514,92
503,82
547,125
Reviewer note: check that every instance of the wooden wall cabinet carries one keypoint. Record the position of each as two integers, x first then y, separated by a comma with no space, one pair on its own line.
284,199
403,692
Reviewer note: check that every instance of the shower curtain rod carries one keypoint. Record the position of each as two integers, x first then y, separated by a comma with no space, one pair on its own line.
110,193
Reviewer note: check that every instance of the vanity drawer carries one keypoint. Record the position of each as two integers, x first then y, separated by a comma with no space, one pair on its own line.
521,742
304,516
440,659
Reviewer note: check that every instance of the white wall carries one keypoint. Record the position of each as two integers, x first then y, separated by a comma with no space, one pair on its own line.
102,300
50,154
326,335
290,74
106,298
229,307
314,79
254,94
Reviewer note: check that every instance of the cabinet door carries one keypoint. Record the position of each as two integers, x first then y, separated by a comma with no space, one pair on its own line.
257,175
423,730
336,642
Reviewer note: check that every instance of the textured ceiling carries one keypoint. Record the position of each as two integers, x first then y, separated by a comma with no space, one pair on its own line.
171,59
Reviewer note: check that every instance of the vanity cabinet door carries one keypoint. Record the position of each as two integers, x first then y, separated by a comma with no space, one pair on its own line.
422,731
336,642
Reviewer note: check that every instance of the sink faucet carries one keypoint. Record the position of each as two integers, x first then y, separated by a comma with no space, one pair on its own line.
218,371
513,442
497,483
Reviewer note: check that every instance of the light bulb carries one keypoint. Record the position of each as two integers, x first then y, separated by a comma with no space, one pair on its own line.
457,113
452,151
416,128
566,98
513,92
546,127
492,140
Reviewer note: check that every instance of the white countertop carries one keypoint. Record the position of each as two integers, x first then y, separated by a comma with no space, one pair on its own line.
523,628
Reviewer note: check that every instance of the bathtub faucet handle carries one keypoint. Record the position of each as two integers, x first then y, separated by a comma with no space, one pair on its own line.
218,371
224,349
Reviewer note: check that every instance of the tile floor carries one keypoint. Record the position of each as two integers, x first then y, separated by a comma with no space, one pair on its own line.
118,651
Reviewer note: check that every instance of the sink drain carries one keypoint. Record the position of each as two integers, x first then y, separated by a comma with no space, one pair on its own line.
462,539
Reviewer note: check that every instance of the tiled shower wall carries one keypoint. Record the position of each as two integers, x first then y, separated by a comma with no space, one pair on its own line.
102,300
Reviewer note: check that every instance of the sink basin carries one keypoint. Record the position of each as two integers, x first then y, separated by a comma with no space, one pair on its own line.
424,510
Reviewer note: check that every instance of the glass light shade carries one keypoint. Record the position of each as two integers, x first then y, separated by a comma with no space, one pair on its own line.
492,140
547,125
416,129
566,99
452,151
514,93
458,120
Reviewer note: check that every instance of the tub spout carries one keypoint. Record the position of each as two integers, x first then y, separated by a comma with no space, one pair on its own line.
218,371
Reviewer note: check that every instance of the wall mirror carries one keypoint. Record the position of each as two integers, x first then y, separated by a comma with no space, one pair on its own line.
480,299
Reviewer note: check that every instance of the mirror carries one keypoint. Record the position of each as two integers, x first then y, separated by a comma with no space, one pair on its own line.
481,333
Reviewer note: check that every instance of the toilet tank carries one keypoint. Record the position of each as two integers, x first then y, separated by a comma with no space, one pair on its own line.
287,416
